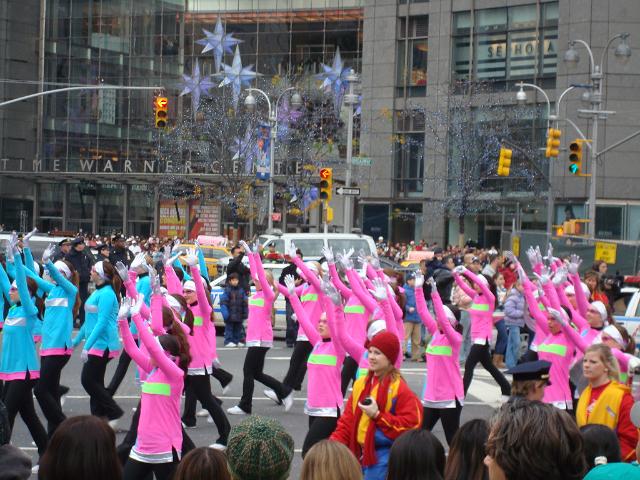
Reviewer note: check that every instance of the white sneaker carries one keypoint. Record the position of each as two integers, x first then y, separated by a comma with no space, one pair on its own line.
272,395
185,426
218,446
236,411
288,402
209,419
226,389
63,400
134,409
240,345
202,413
113,424
230,344
35,469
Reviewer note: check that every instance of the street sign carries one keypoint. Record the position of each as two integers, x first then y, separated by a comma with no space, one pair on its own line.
325,173
351,191
361,161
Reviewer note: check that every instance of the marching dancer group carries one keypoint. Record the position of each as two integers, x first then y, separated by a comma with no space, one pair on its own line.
161,317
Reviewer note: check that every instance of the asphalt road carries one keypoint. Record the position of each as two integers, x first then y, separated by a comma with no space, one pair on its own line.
483,398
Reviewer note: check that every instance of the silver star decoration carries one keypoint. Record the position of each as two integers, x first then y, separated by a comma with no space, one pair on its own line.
334,78
218,42
196,85
237,76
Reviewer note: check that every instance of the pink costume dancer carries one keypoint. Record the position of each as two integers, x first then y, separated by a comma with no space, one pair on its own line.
443,394
481,313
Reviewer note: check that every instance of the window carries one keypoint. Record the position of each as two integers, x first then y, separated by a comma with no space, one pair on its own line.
514,43
409,153
412,56
609,221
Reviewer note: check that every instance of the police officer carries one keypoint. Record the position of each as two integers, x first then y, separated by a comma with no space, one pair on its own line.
530,380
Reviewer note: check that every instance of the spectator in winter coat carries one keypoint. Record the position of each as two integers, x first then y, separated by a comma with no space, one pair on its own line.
234,309
508,271
82,263
119,251
514,312
412,322
236,265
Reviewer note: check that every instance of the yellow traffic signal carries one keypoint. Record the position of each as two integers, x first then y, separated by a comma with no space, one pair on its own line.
161,107
553,143
504,162
326,184
575,157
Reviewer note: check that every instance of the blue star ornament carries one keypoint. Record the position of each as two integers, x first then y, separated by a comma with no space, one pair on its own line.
218,41
237,76
196,85
334,78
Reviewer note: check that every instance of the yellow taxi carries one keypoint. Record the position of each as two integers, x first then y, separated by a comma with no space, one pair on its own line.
212,256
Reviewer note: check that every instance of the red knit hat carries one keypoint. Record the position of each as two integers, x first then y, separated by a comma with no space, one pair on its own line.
388,344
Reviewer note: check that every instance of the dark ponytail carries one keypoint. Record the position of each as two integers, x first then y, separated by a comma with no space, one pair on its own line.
116,282
188,314
32,285
75,279
177,345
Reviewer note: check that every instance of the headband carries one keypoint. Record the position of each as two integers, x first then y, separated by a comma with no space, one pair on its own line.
100,271
173,303
189,285
570,290
376,327
450,316
615,334
63,267
602,310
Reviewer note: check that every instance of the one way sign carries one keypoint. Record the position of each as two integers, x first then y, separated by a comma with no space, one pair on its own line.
352,191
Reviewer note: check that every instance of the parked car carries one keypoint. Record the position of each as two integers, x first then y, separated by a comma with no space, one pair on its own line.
627,312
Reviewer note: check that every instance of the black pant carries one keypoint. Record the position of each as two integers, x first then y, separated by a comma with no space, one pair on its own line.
121,371
17,397
129,439
92,379
48,387
190,400
480,353
83,291
320,428
450,418
222,376
253,370
292,326
349,370
135,470
298,365
200,386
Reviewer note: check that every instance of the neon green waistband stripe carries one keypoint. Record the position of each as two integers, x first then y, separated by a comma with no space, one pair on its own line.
443,350
156,388
480,307
258,302
554,348
309,297
322,359
541,306
197,321
354,309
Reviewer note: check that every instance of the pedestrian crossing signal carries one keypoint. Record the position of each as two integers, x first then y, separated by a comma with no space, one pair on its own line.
161,107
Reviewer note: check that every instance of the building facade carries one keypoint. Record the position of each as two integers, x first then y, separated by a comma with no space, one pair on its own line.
431,73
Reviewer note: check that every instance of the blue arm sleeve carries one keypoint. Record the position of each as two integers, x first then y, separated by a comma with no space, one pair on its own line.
5,284
203,265
11,270
105,312
23,290
42,283
178,264
60,279
28,260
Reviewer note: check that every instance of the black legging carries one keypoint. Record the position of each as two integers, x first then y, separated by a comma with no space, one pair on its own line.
135,470
17,397
121,371
190,400
480,353
47,390
298,365
253,370
349,370
320,428
200,387
101,402
450,418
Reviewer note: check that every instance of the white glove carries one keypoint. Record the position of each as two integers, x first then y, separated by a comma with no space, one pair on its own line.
84,356
362,257
154,279
123,271
328,254
191,258
375,262
245,246
345,261
125,308
290,283
379,289
522,275
139,261
11,246
460,269
27,237
509,255
292,251
419,279
176,244
135,307
48,253
549,257
558,316
560,276
330,291
167,258
574,264
432,284
545,276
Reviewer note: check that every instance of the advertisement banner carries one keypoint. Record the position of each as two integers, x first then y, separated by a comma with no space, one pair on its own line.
263,160
173,218
204,219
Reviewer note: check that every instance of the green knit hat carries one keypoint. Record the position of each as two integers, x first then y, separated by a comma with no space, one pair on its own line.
259,448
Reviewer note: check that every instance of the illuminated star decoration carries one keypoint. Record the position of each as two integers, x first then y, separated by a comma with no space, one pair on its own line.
334,78
196,86
247,148
287,116
304,196
236,75
218,41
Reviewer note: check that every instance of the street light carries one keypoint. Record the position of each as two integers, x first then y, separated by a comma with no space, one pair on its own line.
350,100
622,53
250,102
521,96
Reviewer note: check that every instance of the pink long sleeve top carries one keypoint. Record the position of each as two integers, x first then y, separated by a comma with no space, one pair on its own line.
160,428
354,311
558,350
259,329
537,312
481,309
309,297
443,383
202,342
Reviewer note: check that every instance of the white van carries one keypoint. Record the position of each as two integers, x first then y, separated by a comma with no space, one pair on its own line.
310,244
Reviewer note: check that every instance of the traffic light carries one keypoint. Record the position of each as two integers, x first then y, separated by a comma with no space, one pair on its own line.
504,162
161,106
575,157
553,143
326,184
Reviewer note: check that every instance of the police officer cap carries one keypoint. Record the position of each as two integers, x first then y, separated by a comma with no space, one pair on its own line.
538,370
64,241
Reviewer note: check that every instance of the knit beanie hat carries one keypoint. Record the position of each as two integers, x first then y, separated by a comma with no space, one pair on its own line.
15,465
259,448
388,344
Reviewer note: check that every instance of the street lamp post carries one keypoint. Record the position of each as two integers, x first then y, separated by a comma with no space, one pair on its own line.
571,56
250,104
350,99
